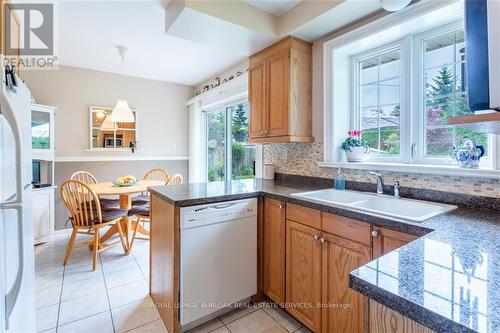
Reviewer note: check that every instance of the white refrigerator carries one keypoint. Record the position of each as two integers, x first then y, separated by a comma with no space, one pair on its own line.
17,285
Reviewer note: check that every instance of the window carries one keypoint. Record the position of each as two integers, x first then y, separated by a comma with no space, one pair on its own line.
108,135
445,93
403,93
229,161
379,101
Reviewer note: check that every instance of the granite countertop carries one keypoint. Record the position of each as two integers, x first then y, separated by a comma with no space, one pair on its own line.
447,280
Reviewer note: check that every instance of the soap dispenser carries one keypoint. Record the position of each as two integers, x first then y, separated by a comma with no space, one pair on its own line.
339,183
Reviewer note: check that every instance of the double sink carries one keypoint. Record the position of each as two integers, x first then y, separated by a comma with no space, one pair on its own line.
383,205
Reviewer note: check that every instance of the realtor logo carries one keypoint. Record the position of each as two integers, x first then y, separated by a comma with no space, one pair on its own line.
29,35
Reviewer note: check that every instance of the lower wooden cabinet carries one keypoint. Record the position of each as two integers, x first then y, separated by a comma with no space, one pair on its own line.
387,240
274,250
344,310
303,274
385,320
308,255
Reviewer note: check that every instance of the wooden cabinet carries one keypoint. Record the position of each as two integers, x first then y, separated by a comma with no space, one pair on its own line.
383,319
314,252
344,309
256,97
280,93
303,274
387,240
274,250
43,213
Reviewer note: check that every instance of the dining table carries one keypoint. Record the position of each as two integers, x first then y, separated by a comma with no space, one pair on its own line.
125,194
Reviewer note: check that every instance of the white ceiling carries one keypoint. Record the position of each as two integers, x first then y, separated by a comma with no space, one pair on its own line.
89,29
275,7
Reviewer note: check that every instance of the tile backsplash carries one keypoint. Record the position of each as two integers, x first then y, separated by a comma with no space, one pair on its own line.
301,159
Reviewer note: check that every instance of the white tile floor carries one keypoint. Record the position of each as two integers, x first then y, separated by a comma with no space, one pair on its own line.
115,298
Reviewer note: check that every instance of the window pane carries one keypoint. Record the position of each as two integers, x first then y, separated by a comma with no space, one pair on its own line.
124,138
439,81
369,95
439,50
216,145
40,130
243,154
369,71
445,94
389,142
389,66
379,102
389,92
439,142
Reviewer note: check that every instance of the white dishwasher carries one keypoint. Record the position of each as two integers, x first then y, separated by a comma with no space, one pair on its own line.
218,258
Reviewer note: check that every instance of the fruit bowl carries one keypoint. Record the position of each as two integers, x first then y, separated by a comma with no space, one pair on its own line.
125,181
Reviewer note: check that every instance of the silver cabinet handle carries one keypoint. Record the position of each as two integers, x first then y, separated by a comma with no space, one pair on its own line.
322,240
316,237
374,233
280,206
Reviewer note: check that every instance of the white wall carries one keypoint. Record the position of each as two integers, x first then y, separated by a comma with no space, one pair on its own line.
161,109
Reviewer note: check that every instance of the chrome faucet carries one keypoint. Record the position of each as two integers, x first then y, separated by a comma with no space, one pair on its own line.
380,182
397,187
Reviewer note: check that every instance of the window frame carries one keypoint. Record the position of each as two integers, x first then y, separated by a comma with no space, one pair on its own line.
93,109
412,138
355,121
418,107
227,109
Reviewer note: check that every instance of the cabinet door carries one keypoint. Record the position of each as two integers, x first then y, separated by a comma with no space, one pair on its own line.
386,240
303,274
344,310
278,72
274,250
43,213
257,99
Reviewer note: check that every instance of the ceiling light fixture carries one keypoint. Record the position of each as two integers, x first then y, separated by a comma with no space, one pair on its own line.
121,112
394,5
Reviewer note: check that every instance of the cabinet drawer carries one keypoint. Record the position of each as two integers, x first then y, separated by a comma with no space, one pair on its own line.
347,228
304,215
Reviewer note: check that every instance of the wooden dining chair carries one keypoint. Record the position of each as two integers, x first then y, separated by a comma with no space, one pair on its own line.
84,177
157,174
87,218
142,212
89,179
175,180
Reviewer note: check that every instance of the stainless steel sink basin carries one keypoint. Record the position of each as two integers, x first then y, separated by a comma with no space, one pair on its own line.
401,209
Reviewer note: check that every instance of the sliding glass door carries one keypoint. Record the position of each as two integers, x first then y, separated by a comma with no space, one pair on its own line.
229,156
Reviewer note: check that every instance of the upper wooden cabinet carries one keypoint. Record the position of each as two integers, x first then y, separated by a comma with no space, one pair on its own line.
387,240
274,250
279,86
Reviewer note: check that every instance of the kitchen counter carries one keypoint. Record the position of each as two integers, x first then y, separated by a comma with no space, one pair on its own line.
447,280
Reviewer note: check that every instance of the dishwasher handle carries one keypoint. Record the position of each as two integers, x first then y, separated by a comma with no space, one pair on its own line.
224,205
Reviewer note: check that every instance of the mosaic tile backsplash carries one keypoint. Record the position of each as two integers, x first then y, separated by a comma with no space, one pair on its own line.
301,159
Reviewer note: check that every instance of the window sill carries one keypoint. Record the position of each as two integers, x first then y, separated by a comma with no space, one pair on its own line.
414,168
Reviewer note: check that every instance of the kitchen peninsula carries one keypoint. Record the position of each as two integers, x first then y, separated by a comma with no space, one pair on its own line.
403,275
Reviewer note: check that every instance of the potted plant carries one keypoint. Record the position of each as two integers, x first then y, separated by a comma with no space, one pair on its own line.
356,148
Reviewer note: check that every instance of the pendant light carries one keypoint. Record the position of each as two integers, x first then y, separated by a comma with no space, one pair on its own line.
121,112
107,125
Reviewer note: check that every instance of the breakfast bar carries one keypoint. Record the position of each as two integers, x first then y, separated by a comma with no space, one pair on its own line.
441,275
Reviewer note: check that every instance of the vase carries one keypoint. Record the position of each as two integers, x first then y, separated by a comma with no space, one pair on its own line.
356,154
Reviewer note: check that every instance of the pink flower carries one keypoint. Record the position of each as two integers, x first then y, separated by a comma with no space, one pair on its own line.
354,133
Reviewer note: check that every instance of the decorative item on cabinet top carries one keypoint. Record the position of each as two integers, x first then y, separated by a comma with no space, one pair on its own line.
217,82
